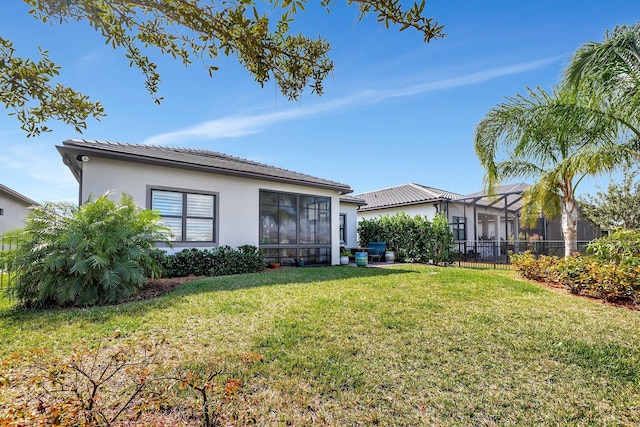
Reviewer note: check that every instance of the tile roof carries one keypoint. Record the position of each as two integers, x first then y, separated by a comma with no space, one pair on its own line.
18,196
403,195
189,158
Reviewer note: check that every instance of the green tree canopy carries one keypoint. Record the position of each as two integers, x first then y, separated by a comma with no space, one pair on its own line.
617,207
187,30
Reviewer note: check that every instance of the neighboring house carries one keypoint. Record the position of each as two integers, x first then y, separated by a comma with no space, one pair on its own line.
412,199
210,199
488,218
497,218
474,217
13,209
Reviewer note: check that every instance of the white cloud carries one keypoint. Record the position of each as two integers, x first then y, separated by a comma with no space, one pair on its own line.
237,126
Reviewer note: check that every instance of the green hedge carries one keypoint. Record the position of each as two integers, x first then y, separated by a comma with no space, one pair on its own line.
412,239
212,262
620,247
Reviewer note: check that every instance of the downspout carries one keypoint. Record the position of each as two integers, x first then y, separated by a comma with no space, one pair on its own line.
80,176
77,172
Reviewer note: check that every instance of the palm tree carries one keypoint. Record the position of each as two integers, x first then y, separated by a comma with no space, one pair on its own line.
555,139
609,73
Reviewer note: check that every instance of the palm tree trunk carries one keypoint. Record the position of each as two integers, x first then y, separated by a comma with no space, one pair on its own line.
570,225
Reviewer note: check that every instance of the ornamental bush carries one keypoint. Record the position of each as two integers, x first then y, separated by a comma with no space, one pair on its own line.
413,239
534,268
583,275
620,247
213,262
588,275
98,253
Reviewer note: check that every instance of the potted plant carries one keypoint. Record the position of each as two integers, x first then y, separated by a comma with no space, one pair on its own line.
344,257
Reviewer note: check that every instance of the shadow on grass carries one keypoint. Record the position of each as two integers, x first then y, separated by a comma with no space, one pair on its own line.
198,286
283,277
615,361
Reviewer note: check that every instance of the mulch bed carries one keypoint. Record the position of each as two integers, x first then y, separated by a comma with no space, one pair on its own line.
159,287
628,304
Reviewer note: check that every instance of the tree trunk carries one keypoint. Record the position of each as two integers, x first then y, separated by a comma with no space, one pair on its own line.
570,225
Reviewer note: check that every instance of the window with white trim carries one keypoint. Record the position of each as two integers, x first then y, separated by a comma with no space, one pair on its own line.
190,216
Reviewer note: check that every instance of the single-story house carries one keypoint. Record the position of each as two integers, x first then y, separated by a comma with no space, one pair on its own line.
412,199
14,208
473,218
210,199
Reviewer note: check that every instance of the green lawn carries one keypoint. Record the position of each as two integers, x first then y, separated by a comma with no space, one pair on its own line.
407,345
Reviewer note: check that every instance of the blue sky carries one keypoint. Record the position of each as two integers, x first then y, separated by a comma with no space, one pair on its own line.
395,110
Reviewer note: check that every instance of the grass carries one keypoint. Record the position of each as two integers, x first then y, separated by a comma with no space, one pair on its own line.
408,345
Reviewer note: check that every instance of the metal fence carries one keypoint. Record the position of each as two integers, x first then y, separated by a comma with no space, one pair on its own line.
492,254
6,275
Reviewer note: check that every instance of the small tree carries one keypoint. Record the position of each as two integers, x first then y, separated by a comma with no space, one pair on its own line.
618,207
99,253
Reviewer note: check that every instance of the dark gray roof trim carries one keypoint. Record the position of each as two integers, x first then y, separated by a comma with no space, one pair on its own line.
499,190
18,196
189,158
352,199
403,195
512,193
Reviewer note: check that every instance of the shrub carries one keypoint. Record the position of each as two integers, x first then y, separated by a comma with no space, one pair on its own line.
588,275
213,262
245,259
413,239
98,253
534,268
583,275
621,247
188,262
134,382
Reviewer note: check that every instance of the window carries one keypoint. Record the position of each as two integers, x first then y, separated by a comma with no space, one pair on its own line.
343,221
458,226
190,216
1,211
295,227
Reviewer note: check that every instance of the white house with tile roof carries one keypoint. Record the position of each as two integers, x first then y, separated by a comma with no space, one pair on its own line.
473,218
14,208
413,199
210,199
